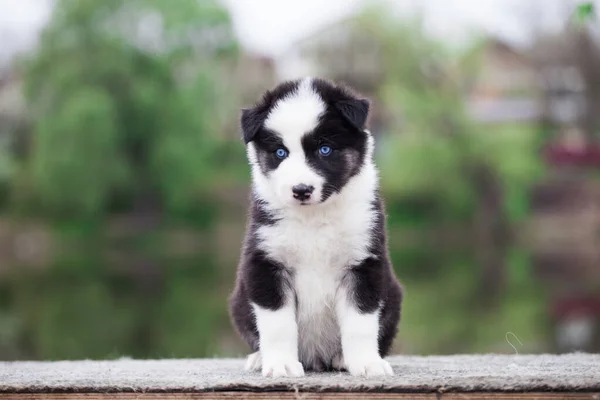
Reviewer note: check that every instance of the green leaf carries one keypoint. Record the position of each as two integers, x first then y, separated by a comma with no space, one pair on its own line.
585,11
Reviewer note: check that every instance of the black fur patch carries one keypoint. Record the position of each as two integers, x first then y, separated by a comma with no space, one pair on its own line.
373,282
266,281
267,142
259,279
354,109
367,282
252,119
348,146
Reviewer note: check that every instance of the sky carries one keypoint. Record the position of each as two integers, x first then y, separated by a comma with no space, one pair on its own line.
20,23
271,26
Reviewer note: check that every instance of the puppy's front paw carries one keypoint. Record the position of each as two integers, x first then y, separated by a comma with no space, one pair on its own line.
369,367
282,368
253,362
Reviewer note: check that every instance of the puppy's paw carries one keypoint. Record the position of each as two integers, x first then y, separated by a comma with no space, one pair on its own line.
253,362
278,368
375,366
338,362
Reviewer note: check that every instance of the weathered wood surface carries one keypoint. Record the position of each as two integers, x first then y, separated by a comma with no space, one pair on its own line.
300,396
569,376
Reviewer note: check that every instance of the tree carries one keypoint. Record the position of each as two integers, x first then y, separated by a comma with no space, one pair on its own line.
127,104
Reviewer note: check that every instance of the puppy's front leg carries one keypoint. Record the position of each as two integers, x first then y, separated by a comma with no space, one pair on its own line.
358,307
278,338
275,313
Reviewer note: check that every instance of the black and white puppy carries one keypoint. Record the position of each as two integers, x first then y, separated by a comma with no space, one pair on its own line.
315,288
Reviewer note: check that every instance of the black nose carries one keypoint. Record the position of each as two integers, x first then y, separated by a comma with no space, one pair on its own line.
302,191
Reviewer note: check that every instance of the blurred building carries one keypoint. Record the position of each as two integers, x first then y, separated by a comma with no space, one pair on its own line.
505,88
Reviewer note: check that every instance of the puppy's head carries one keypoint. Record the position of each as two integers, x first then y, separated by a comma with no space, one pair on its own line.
305,139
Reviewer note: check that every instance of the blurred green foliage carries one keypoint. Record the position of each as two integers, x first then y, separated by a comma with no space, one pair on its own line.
433,147
128,99
585,11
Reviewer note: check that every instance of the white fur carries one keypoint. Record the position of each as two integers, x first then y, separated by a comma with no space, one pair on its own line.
253,362
298,113
278,341
360,334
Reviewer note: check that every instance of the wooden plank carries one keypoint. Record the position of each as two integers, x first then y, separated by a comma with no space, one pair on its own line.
298,396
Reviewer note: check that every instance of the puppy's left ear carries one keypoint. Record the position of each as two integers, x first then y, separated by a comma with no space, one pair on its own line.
251,122
355,111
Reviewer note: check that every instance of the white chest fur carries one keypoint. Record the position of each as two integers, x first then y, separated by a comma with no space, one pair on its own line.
317,247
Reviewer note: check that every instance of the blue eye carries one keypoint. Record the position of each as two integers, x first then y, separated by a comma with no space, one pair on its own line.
281,153
325,150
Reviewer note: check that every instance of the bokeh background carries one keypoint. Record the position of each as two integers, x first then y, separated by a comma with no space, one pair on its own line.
123,177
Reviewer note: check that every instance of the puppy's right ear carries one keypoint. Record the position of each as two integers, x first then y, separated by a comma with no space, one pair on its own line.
355,111
251,121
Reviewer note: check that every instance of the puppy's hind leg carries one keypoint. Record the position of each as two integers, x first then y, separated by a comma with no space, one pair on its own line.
338,362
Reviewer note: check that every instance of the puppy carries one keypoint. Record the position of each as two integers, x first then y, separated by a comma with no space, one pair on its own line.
315,289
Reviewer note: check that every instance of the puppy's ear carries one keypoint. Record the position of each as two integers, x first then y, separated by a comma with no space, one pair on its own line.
355,111
251,121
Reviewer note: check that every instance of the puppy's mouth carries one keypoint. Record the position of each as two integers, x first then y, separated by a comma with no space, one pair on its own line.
307,202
